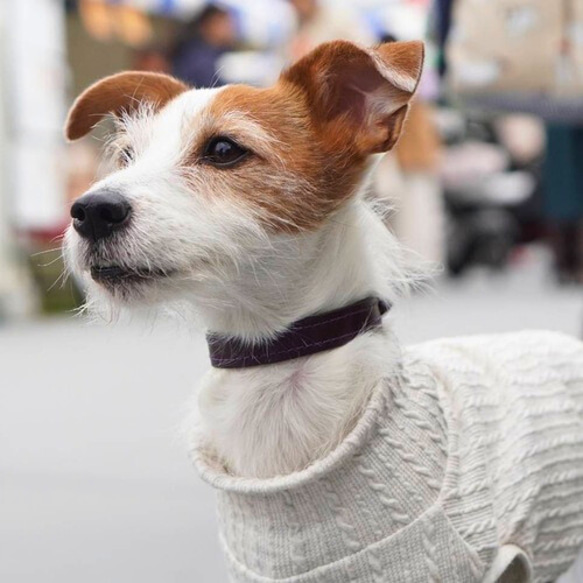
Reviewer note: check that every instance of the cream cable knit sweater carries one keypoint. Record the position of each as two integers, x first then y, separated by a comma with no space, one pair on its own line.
471,455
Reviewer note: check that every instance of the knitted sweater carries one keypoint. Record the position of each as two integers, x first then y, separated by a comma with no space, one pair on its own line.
470,456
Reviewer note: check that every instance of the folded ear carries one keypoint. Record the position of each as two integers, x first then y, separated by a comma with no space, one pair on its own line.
362,93
116,94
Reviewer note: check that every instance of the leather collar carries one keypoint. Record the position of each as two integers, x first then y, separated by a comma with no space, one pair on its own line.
306,336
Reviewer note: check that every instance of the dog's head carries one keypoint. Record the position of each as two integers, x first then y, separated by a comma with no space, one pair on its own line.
206,181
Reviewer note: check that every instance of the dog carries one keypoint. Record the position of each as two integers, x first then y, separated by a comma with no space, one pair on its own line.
337,455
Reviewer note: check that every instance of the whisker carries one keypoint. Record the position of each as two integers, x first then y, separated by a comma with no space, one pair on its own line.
59,258
60,279
45,252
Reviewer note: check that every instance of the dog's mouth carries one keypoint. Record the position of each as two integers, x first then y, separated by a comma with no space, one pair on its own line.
113,274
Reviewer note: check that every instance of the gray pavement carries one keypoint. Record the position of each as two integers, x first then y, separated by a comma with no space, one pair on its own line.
95,484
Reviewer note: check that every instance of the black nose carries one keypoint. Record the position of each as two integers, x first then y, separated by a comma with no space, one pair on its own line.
99,214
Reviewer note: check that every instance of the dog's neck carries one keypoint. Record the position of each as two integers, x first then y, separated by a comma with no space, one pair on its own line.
293,277
275,419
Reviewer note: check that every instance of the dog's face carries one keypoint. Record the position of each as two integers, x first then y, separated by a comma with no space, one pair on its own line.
206,181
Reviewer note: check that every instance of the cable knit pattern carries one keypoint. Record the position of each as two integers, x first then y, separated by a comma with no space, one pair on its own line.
471,445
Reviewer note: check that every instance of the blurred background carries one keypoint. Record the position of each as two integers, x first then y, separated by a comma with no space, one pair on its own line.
95,484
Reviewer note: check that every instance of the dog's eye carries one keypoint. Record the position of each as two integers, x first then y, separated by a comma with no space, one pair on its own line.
223,152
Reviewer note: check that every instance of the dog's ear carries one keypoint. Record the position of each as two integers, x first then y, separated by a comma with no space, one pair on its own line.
362,93
123,92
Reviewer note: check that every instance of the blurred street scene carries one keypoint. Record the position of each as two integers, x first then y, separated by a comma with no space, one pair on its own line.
487,182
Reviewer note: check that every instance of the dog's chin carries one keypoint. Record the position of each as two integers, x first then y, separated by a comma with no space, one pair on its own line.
129,285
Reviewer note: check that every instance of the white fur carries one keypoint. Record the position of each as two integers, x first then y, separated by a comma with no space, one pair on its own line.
271,420
231,275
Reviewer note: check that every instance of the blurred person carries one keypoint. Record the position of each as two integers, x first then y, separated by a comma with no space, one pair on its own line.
420,221
200,46
264,29
409,180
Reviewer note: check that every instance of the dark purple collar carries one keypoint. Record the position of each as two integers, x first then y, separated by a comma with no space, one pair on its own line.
304,337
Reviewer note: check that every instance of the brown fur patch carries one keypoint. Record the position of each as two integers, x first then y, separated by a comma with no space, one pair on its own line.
319,127
117,93
299,175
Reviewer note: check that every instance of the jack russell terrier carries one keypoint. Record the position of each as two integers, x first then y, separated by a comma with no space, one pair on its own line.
336,454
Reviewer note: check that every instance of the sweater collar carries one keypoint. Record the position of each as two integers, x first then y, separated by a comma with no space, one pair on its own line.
307,336
375,484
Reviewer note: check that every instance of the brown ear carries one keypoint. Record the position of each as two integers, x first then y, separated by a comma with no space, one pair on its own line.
361,92
116,94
